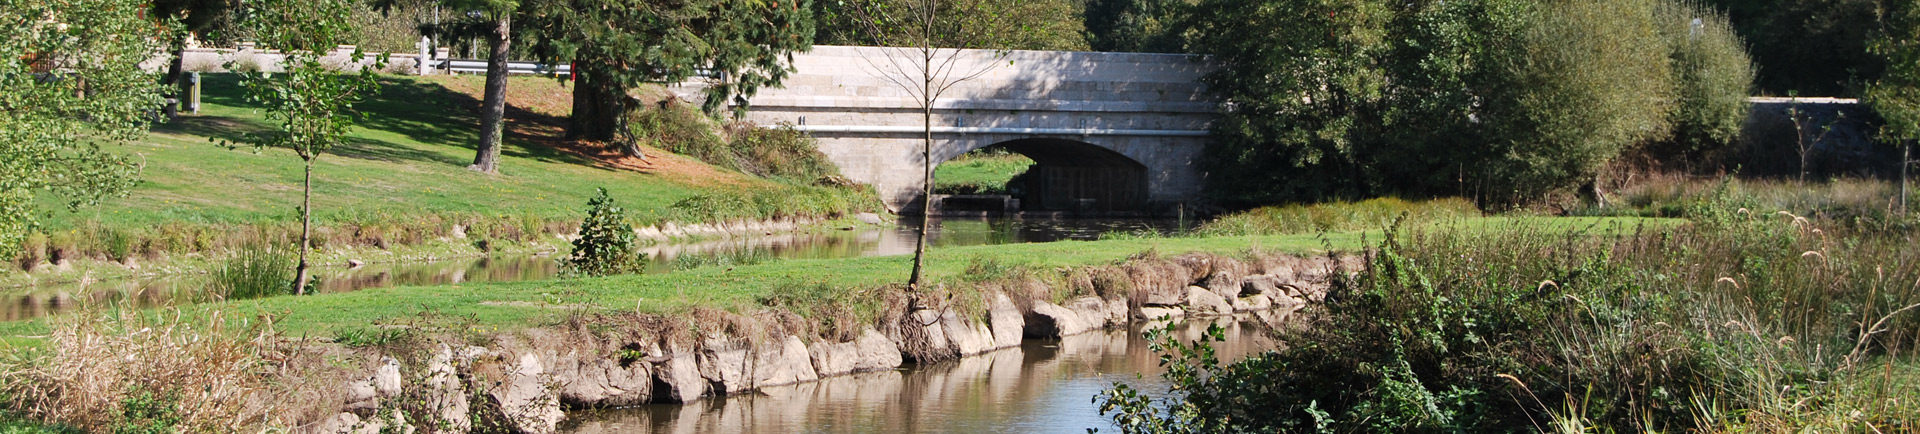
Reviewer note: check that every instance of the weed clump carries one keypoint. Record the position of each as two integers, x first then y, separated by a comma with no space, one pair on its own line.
252,272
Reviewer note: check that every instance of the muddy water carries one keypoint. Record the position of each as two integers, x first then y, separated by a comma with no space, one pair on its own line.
46,299
1038,387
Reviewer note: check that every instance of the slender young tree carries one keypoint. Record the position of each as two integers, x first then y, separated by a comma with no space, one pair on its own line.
1896,96
929,38
310,103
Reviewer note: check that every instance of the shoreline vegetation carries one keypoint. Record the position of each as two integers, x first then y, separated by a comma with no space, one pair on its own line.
820,302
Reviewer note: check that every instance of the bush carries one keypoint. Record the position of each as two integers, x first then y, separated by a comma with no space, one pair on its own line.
33,251
605,245
778,152
680,129
254,271
1713,76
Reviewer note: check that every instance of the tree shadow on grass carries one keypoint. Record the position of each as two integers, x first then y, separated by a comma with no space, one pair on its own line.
424,112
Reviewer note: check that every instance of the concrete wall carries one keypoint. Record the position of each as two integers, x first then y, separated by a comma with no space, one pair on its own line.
862,105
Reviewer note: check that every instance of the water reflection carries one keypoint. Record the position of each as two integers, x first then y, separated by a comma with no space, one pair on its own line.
40,300
1039,387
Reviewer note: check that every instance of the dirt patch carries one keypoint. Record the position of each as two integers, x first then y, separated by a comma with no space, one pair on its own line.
537,113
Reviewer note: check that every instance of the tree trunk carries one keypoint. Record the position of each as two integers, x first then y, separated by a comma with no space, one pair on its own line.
306,231
1906,160
175,87
926,185
598,104
493,110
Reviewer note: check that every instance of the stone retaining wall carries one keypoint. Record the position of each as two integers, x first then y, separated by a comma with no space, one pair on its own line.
524,383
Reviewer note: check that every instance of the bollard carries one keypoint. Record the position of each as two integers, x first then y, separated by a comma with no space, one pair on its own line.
193,92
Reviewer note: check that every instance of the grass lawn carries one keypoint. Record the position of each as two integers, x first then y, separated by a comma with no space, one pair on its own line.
505,306
408,157
979,172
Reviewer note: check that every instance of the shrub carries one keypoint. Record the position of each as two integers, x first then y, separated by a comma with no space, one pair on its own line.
680,129
33,250
605,245
1713,76
778,152
254,271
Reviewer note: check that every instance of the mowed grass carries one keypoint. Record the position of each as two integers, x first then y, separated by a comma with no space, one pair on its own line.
508,306
408,157
979,172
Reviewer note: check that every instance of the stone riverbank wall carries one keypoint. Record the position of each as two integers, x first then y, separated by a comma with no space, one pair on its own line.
525,383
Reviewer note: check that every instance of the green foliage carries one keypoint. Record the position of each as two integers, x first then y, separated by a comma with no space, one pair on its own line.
981,172
605,245
616,45
794,201
70,86
143,412
1502,100
1144,26
780,152
1338,216
310,103
989,24
1896,95
254,271
1752,322
1713,74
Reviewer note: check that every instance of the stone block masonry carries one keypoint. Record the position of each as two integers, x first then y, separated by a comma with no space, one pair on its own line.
523,383
1138,118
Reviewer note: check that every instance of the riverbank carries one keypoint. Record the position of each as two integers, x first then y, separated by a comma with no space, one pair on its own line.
756,311
401,179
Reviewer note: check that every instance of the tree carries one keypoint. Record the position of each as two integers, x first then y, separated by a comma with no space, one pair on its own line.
1151,26
492,19
1713,74
70,85
1003,24
927,63
1896,96
615,45
194,17
310,103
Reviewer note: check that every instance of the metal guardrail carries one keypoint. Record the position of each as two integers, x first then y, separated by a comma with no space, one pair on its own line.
473,66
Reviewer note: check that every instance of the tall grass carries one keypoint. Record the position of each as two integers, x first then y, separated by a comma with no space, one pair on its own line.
1749,322
255,271
108,372
1336,216
1841,201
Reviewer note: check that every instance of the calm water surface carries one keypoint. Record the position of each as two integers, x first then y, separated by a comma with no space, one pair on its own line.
41,300
1038,387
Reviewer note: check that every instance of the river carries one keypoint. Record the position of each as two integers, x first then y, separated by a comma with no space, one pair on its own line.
1042,386
46,299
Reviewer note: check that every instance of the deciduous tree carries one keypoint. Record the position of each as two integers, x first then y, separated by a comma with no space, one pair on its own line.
70,87
311,103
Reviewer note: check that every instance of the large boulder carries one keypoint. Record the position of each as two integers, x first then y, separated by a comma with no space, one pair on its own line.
677,372
587,380
1092,311
1048,320
783,363
525,401
966,337
1006,321
1201,302
446,395
1259,284
724,364
1252,303
872,351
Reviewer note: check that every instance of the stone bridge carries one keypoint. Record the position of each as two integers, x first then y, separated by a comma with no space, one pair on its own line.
1108,132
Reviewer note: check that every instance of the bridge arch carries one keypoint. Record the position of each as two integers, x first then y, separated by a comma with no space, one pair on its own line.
1069,175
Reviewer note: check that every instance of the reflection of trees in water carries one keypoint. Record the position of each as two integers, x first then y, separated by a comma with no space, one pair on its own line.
1039,386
